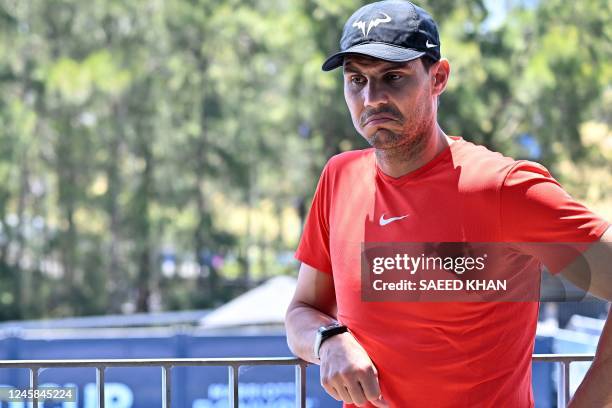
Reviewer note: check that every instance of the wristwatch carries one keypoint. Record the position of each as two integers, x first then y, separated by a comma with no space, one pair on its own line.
324,333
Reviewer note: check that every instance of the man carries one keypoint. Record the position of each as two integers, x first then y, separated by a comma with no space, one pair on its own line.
416,184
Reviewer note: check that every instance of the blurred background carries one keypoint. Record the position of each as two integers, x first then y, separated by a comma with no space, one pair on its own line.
160,156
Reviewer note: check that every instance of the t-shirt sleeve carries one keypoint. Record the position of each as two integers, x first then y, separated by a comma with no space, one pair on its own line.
313,248
535,209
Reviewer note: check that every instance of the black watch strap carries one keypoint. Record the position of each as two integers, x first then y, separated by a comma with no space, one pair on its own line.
324,333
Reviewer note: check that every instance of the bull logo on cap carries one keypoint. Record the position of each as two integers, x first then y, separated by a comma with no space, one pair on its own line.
373,23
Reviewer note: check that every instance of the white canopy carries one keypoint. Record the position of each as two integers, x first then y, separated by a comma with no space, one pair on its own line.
264,305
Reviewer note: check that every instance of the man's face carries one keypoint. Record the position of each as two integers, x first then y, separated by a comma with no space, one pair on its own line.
391,104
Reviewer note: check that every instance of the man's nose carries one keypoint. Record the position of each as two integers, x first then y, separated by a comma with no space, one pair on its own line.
374,94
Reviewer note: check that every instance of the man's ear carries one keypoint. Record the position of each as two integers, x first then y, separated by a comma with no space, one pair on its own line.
440,73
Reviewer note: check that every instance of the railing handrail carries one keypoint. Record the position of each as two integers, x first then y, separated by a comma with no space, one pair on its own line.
155,362
215,361
558,358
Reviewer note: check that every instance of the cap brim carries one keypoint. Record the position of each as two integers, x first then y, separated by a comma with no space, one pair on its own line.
381,51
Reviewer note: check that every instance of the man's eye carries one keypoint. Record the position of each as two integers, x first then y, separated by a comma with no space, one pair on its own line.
357,80
394,77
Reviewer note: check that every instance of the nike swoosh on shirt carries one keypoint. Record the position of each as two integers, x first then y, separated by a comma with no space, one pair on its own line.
382,222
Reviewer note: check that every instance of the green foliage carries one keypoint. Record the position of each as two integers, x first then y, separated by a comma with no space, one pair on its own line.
193,131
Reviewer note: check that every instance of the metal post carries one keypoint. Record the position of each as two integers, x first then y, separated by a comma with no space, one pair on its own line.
566,385
100,385
233,386
166,386
561,400
300,386
34,384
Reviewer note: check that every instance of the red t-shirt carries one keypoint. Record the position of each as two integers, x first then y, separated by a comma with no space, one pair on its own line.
443,354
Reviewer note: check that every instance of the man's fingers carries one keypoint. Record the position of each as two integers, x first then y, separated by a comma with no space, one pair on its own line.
357,394
350,395
332,391
380,402
370,385
371,388
345,394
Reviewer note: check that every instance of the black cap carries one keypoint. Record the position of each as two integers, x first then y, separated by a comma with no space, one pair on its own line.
391,30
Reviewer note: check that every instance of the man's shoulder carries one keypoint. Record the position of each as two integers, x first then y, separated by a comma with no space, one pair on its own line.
350,158
471,153
487,168
481,161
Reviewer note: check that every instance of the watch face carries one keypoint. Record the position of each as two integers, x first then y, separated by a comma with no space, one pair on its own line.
326,332
331,326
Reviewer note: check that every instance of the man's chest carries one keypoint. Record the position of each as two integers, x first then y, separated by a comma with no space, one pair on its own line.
436,211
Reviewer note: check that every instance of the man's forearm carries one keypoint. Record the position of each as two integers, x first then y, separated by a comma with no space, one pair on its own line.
302,322
596,388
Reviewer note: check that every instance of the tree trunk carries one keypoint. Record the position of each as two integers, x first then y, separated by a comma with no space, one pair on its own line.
116,281
144,228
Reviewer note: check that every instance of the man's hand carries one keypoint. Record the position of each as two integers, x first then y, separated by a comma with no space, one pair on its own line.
595,389
347,373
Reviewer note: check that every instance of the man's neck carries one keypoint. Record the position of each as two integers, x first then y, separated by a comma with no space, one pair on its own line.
404,159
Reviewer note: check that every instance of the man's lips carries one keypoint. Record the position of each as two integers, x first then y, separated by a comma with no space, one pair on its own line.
378,119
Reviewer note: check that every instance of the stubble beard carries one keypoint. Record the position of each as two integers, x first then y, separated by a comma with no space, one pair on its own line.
407,141
406,145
